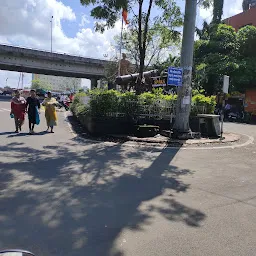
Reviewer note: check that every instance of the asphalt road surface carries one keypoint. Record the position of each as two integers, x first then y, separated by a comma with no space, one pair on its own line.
63,196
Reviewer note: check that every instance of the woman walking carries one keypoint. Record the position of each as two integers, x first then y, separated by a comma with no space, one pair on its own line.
18,110
33,106
50,113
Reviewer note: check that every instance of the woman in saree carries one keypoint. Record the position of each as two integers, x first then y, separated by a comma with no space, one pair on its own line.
18,110
33,106
50,112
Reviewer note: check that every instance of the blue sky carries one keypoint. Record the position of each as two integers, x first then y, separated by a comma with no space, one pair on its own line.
73,28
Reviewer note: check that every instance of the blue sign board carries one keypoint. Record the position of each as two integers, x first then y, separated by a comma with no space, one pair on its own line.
174,76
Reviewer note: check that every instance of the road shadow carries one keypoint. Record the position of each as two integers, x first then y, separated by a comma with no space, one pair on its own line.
20,134
7,133
61,201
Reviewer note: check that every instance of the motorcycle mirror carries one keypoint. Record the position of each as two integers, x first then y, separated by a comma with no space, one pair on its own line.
15,252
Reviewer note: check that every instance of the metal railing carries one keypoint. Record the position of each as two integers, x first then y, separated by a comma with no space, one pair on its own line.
157,109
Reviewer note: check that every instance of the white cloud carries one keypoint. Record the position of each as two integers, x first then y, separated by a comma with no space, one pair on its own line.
231,8
84,20
31,28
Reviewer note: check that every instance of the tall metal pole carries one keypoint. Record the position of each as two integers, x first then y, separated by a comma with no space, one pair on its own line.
6,82
51,32
181,126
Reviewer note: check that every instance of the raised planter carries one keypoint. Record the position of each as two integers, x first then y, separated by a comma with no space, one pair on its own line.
98,126
146,131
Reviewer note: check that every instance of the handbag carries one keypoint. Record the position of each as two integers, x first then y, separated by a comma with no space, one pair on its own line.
37,116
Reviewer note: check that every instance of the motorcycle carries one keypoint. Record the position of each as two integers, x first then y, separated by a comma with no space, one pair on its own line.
16,252
236,116
64,104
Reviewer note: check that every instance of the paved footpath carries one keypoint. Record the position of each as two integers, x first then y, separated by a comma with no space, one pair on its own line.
63,196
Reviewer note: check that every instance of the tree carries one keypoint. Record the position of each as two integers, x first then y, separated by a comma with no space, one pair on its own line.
162,39
109,12
218,5
217,11
37,84
245,75
215,58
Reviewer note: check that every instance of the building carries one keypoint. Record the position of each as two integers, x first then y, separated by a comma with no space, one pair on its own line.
243,19
59,83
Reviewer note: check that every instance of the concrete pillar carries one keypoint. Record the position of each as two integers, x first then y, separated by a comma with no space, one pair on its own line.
94,83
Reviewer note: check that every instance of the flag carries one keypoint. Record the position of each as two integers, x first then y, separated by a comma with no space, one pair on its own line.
125,16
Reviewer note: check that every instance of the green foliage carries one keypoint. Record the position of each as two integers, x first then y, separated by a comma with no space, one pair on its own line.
205,3
246,38
147,35
128,104
37,84
215,57
200,100
217,11
77,107
225,52
103,102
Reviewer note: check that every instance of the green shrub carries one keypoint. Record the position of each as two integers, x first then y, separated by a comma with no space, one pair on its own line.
199,101
128,104
104,102
76,102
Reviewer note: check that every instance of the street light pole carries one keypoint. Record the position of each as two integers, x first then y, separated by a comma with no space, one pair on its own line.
181,127
51,32
6,82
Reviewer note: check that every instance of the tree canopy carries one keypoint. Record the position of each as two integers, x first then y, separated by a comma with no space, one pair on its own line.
37,84
145,29
226,52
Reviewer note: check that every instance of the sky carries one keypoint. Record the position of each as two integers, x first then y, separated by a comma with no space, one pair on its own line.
26,23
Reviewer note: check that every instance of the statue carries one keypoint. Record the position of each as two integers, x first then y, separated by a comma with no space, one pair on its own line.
124,66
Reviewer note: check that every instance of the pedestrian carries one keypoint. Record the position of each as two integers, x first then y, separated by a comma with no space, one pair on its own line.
18,110
33,106
50,112
63,98
227,110
71,97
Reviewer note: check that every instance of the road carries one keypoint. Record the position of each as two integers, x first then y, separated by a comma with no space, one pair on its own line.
60,195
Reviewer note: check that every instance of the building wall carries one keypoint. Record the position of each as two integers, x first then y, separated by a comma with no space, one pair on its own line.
242,19
59,83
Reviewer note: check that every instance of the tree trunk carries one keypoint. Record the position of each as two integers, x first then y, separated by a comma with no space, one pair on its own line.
140,41
142,37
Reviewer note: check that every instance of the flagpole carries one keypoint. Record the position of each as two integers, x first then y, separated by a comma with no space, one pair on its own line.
121,44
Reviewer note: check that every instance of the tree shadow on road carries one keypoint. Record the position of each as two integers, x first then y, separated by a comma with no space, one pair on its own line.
76,200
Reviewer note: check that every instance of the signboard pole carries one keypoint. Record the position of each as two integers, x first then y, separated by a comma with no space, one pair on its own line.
225,92
222,117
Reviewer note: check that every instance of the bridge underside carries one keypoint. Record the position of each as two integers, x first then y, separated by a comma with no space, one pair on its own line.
35,70
40,62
